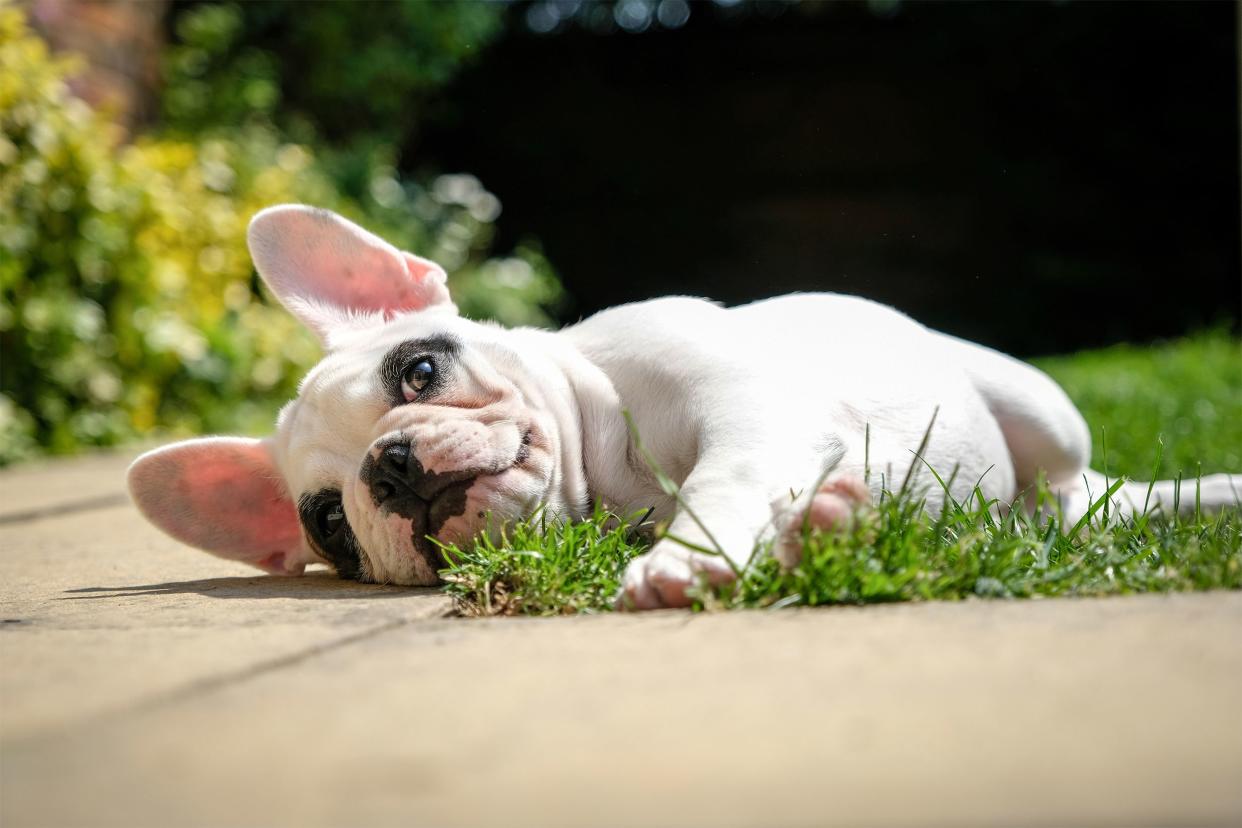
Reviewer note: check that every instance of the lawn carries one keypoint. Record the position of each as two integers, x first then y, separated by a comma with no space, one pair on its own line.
1172,410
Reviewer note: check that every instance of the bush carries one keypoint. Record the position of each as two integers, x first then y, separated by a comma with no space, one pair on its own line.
128,302
362,72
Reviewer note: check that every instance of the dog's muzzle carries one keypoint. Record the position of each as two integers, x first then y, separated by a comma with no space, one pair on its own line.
399,485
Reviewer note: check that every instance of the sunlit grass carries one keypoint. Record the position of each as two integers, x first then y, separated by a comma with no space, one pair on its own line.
1187,392
544,567
896,552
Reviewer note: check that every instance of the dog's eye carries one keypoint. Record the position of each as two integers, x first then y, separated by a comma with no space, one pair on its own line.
327,529
416,378
329,518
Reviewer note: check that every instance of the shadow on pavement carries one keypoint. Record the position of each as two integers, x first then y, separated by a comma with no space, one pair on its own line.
318,585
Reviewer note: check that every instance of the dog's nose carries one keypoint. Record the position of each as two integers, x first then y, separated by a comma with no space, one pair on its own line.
395,475
391,472
397,457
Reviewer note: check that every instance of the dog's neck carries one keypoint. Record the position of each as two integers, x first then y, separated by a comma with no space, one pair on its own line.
614,475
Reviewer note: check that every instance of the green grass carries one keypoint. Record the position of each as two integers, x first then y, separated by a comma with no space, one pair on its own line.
545,567
1188,392
1166,408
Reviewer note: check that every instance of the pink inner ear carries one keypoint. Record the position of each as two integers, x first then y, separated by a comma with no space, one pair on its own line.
430,281
319,265
222,495
367,279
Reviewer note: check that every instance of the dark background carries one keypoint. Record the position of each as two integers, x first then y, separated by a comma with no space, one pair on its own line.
1037,176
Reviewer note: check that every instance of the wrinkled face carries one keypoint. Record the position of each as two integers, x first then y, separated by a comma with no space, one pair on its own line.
418,426
425,428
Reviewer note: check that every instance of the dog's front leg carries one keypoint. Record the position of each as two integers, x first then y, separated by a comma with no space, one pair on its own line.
723,511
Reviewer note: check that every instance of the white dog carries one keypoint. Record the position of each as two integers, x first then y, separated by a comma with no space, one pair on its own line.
420,424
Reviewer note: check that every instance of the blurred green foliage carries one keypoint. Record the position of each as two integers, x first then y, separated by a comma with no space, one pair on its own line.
128,302
357,73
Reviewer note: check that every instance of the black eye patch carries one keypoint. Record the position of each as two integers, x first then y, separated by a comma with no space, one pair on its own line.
323,519
439,350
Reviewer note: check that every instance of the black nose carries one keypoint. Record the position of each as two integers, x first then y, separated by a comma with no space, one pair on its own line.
396,458
394,466
396,479
390,475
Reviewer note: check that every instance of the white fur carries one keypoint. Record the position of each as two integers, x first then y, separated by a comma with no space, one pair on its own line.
744,408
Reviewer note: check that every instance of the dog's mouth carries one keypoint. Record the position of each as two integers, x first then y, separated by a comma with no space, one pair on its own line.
427,517
523,452
438,497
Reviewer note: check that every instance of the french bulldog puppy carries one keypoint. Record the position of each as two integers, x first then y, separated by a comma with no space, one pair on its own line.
420,424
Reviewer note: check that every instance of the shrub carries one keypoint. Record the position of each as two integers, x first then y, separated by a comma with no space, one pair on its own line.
128,302
362,72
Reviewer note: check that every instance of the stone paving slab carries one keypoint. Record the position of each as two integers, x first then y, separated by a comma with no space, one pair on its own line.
145,684
102,612
32,489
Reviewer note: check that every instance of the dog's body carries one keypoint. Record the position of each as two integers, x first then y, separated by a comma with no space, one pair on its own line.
420,423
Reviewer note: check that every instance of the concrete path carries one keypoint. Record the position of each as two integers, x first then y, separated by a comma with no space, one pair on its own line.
143,684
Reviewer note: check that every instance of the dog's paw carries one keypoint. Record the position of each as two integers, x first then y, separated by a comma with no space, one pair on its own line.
664,577
831,508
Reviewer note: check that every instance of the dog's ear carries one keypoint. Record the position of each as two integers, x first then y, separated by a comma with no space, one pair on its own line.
223,495
327,270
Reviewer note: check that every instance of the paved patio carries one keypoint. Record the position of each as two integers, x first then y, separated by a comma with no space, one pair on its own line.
144,684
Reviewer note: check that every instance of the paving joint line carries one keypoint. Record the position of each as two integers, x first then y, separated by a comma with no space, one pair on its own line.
89,504
211,684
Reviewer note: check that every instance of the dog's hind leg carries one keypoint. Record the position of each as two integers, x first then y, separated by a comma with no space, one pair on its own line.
1045,432
1209,493
1042,428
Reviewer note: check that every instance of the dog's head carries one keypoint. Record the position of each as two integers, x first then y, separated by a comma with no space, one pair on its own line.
418,424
